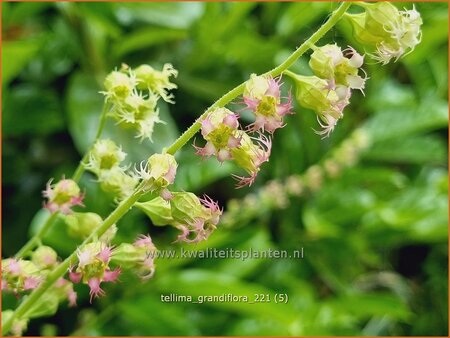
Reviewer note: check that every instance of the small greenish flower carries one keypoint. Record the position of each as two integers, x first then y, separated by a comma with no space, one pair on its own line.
388,31
138,112
62,196
138,256
314,93
195,217
105,155
157,81
250,155
158,173
219,129
262,96
44,257
118,182
119,85
81,224
20,275
339,68
92,267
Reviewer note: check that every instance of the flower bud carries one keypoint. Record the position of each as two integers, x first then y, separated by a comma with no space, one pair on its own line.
20,275
62,196
196,218
80,225
159,171
44,257
158,210
118,85
117,182
157,81
105,155
138,256
314,93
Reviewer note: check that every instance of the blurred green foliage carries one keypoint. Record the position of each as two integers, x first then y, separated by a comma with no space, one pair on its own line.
375,237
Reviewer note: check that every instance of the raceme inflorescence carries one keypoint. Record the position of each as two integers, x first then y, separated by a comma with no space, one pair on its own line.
131,98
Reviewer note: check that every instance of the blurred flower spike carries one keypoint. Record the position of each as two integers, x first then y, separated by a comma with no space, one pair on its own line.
158,173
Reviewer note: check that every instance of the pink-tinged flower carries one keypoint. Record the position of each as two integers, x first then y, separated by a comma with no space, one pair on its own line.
158,172
327,122
86,256
75,277
195,217
250,156
95,289
144,241
14,267
105,254
219,129
4,284
61,282
31,283
72,297
62,196
147,269
262,96
93,268
111,275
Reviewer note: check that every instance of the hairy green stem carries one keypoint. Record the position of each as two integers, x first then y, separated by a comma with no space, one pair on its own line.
232,94
128,203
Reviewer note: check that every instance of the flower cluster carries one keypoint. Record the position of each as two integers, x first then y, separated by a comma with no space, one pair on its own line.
62,196
390,32
105,159
328,91
21,275
195,217
134,95
249,148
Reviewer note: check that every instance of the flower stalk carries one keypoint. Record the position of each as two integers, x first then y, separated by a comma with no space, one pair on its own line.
126,204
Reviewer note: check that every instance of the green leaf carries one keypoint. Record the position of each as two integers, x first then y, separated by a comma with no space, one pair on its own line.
147,37
413,149
31,110
371,304
16,55
390,123
299,15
